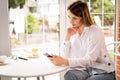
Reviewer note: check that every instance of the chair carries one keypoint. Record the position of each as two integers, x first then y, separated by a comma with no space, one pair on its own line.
114,51
114,48
99,23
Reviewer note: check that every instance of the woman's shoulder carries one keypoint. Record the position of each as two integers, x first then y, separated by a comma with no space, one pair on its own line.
95,33
95,28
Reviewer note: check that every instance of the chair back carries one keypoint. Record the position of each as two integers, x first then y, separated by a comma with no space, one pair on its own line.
114,51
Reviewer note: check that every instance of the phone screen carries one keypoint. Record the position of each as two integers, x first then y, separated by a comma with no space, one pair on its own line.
48,55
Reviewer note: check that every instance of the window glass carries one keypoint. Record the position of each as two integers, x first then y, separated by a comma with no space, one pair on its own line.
95,6
34,24
34,28
109,6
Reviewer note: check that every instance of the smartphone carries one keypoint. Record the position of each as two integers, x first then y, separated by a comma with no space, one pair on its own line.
48,55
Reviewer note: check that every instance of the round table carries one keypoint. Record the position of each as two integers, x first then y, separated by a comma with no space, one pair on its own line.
38,67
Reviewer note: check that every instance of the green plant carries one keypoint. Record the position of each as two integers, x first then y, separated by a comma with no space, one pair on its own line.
32,24
16,3
111,53
108,9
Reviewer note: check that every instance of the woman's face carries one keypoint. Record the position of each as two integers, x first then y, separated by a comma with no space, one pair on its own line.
75,21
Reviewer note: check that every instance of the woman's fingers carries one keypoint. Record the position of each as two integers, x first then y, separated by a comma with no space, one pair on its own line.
75,28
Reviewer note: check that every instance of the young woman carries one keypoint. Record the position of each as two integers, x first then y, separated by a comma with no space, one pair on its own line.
84,48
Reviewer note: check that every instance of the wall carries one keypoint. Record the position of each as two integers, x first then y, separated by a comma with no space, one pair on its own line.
117,66
4,29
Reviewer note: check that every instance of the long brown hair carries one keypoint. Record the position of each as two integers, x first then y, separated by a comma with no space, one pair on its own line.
80,9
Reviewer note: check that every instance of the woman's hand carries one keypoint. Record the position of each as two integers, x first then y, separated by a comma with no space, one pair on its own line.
58,60
70,31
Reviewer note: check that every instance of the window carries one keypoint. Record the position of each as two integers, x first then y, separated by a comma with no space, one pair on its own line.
35,25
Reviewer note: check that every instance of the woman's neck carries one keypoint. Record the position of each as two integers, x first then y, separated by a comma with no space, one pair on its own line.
81,29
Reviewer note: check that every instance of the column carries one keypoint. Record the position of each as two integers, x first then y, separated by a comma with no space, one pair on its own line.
117,58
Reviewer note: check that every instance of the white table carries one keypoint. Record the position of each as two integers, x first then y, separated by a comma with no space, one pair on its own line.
38,67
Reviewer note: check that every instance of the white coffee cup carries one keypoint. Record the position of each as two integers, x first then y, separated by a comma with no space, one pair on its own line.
3,58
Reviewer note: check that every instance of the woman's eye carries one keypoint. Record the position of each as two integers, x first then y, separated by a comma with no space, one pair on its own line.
74,18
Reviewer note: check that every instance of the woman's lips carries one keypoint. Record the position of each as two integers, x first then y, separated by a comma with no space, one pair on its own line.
75,27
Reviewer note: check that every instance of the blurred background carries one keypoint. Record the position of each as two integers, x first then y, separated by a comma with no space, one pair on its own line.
41,24
36,23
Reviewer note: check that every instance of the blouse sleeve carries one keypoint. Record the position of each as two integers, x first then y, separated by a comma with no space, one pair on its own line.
65,49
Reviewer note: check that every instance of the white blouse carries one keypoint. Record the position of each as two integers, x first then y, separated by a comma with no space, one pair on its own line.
88,50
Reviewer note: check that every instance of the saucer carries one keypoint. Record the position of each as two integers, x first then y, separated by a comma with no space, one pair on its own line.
31,56
4,63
